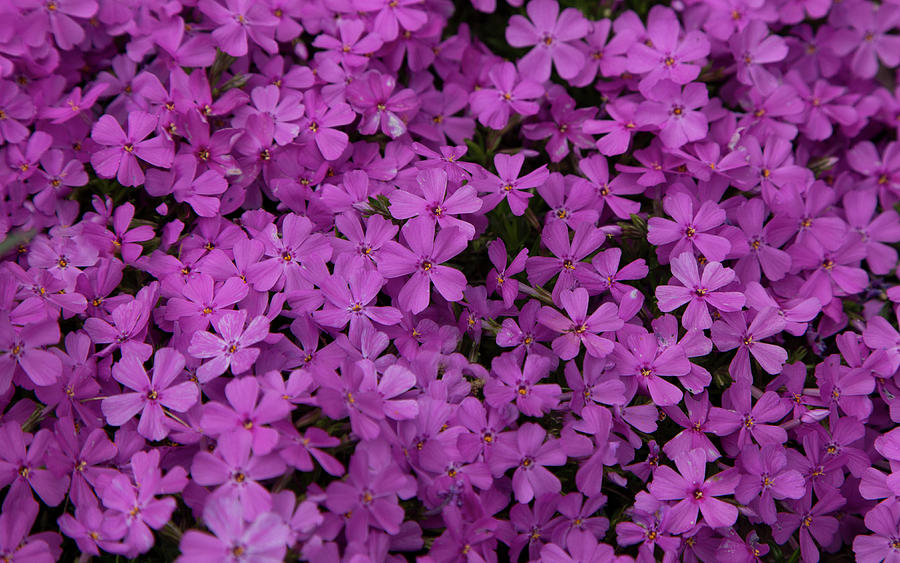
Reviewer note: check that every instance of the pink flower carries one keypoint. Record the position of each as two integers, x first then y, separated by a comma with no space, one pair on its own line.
552,34
698,292
121,158
232,348
150,396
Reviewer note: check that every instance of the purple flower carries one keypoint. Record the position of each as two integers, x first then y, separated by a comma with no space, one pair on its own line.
527,451
580,327
121,158
287,253
22,461
369,494
567,262
500,278
552,34
507,184
264,539
884,543
644,359
135,505
815,524
150,395
23,348
510,93
424,259
868,40
732,332
373,96
392,15
236,472
676,113
352,300
510,382
665,55
753,48
232,347
16,107
238,21
437,206
766,477
694,492
244,415
699,292
689,229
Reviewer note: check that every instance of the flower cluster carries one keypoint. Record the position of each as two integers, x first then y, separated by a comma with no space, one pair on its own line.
365,280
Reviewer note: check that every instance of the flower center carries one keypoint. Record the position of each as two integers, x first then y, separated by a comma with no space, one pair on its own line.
153,395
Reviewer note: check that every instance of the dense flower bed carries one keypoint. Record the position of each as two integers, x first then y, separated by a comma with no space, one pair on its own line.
406,280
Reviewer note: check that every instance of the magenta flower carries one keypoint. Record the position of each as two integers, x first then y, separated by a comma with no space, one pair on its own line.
580,327
232,347
369,495
22,461
568,262
423,257
510,93
352,299
244,415
350,44
239,20
392,15
617,131
732,332
203,302
56,18
286,254
868,39
136,507
372,95
521,384
884,544
322,122
699,292
767,477
500,278
24,348
608,276
507,184
552,34
120,160
814,522
237,538
676,112
527,451
74,104
150,396
437,205
644,359
16,107
237,473
753,48
665,55
689,229
694,492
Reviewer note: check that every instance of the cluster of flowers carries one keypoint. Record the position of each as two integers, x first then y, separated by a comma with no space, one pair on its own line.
386,294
